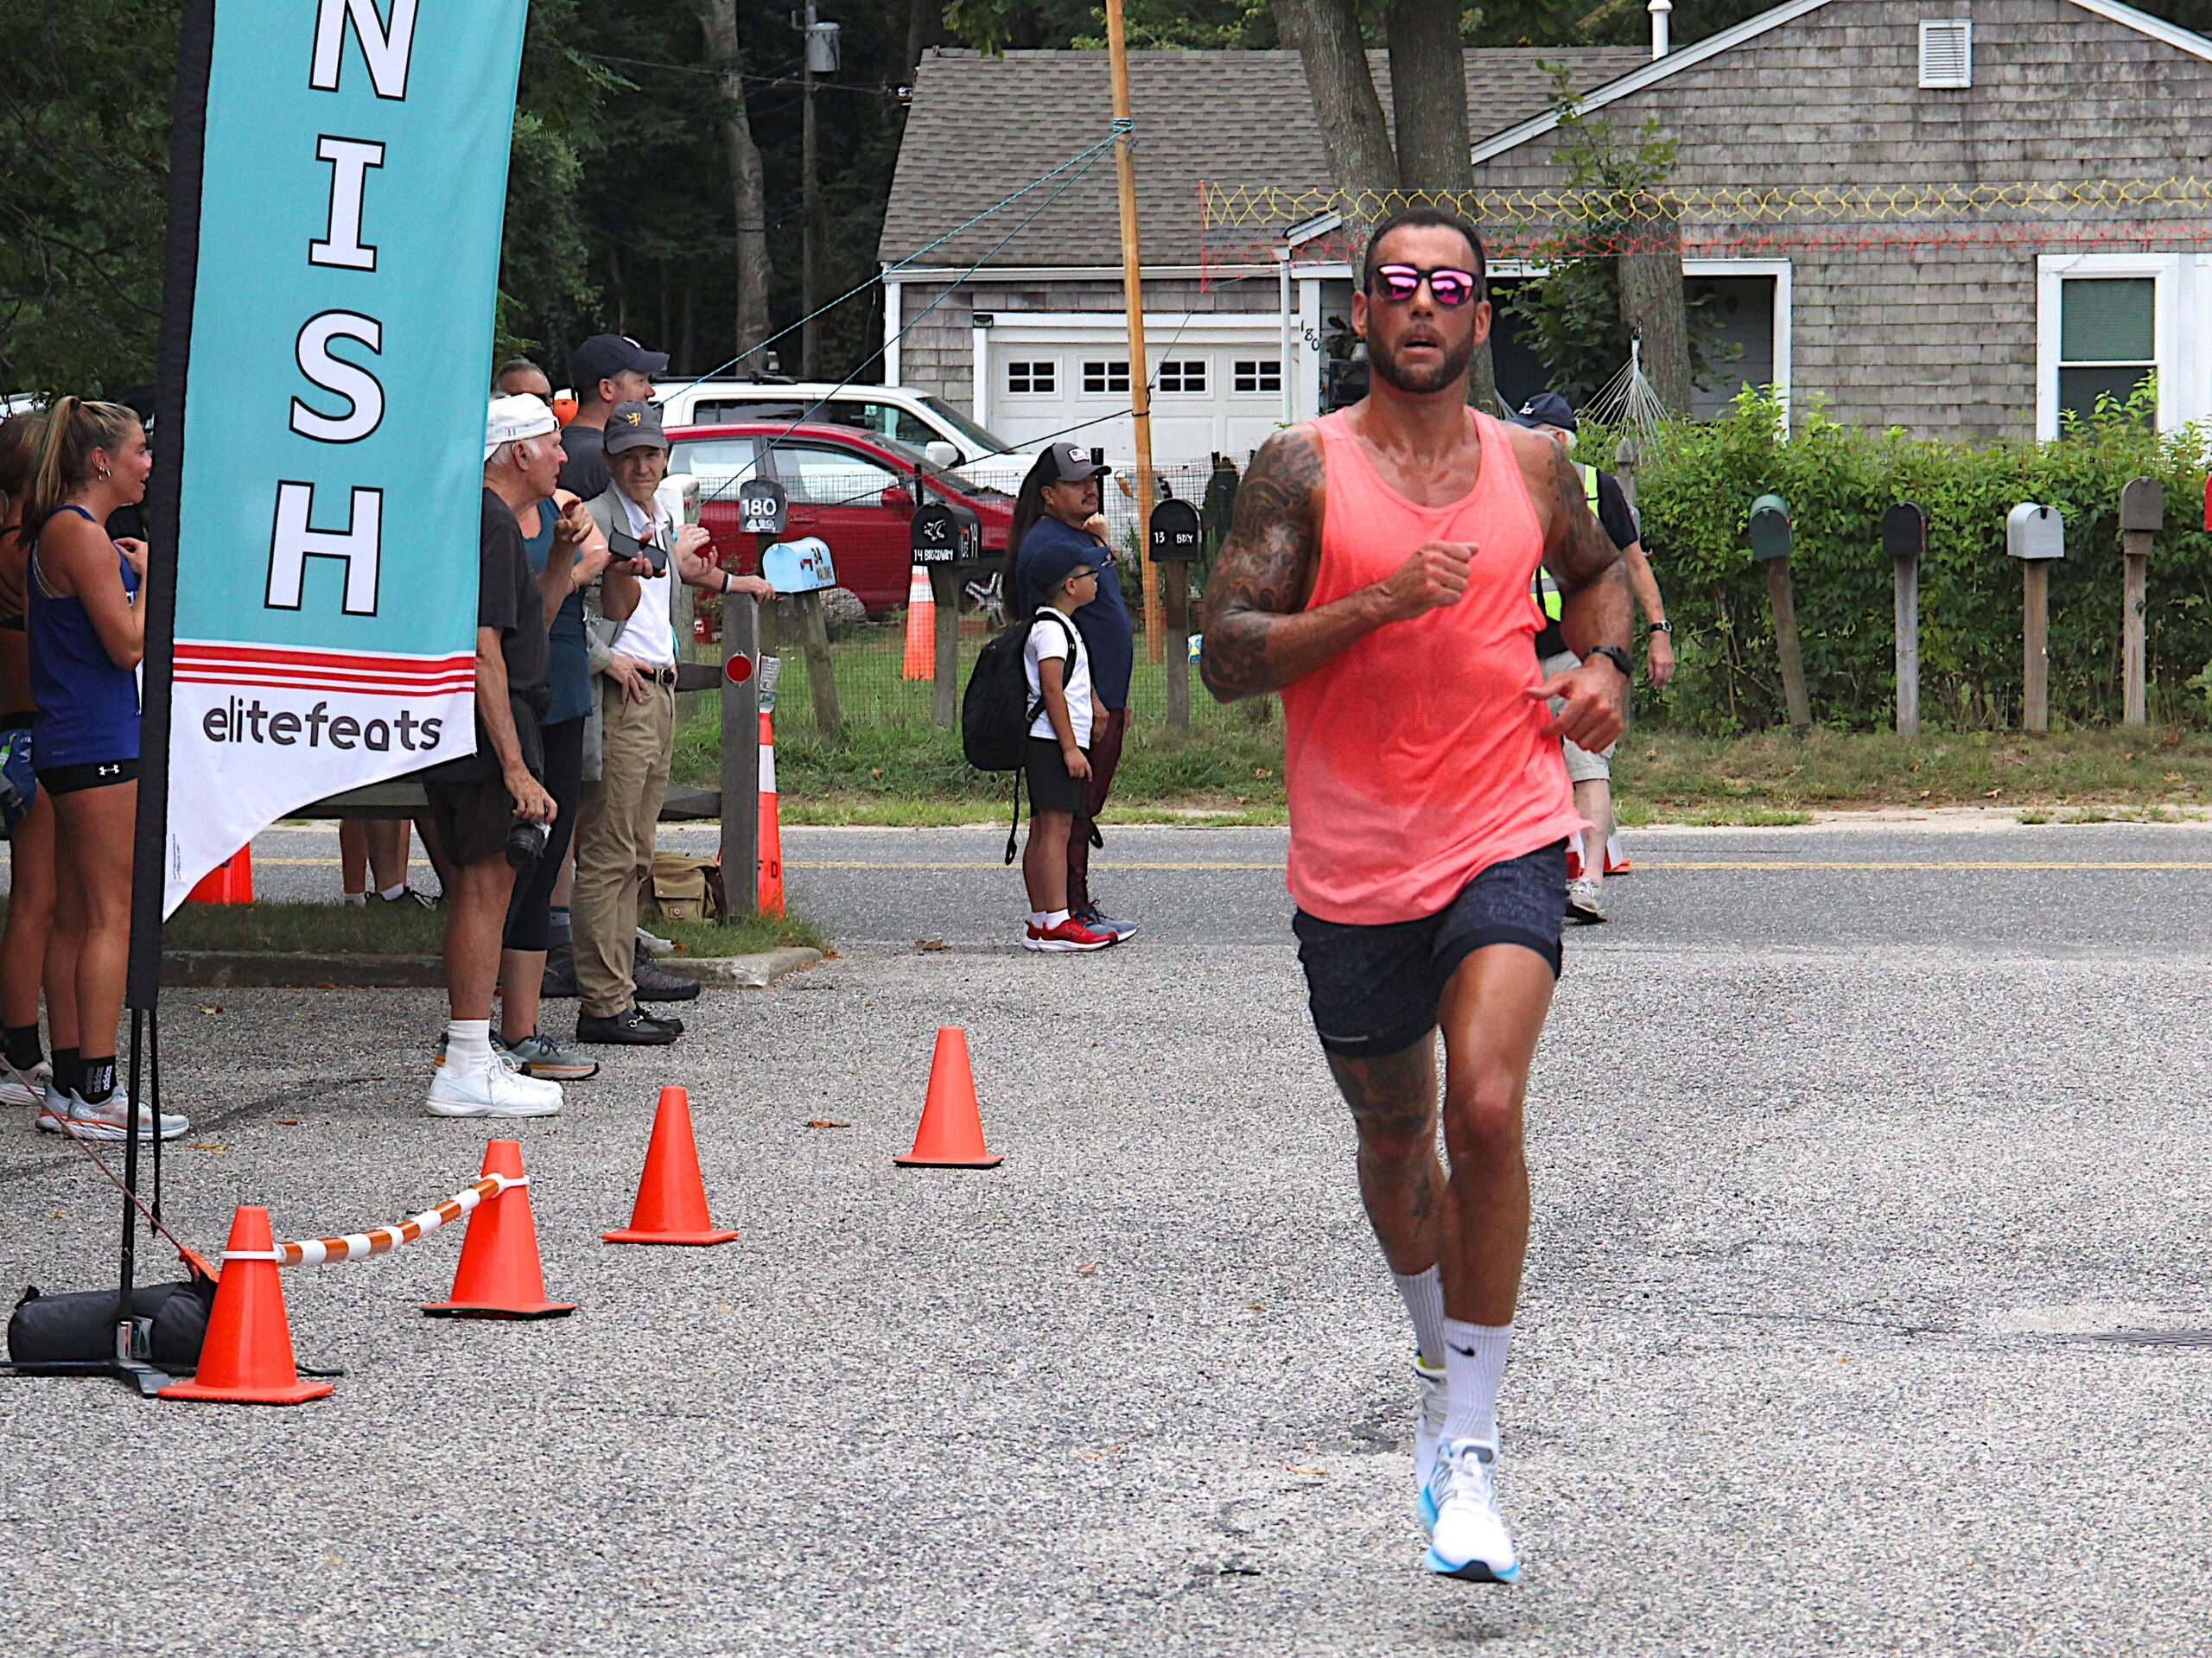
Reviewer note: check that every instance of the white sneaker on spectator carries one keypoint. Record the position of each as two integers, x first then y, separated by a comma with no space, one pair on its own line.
25,1087
53,1109
110,1119
492,1091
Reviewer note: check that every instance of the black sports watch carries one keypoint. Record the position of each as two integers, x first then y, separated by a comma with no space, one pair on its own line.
1618,657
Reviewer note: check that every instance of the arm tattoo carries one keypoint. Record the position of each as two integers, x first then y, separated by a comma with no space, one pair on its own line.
1599,608
1266,567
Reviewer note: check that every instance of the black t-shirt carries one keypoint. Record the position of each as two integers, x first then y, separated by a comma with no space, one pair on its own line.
1620,524
508,599
583,470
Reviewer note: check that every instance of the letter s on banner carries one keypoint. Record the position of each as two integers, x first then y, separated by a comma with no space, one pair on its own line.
353,191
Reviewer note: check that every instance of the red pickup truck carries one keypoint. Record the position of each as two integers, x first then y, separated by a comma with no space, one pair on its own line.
854,490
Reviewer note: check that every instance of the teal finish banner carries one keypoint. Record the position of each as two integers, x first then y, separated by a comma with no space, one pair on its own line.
352,196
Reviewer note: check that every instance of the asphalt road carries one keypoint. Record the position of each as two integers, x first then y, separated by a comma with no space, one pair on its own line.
1845,1142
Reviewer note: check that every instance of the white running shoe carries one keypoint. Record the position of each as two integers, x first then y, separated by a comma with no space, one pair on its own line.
1470,1540
1582,902
25,1087
1428,1436
494,1091
52,1110
110,1119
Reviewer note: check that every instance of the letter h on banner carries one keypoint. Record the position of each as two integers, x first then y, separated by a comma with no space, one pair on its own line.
295,542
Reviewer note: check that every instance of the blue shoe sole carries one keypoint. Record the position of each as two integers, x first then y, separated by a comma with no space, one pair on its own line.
1472,1571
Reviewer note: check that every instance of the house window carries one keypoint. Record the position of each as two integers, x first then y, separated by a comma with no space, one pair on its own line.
1106,376
2107,340
1946,52
1260,374
1183,374
1032,378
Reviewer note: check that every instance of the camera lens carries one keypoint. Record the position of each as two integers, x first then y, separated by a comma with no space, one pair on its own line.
524,842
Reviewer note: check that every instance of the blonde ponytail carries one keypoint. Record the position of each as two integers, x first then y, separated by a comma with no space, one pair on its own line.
62,463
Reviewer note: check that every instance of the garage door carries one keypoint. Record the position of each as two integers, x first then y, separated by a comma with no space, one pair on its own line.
1216,383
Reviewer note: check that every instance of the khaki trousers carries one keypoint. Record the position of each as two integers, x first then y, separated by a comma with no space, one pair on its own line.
614,842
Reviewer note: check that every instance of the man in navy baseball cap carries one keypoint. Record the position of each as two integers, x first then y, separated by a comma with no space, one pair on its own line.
1546,409
609,368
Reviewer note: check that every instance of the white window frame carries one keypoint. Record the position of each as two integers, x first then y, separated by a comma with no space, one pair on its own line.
1929,26
1032,364
1183,388
2183,363
1110,370
1266,377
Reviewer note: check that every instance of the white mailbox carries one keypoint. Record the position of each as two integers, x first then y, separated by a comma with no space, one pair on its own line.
2032,530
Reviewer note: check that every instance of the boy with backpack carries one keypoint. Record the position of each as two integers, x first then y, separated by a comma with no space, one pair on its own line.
1057,668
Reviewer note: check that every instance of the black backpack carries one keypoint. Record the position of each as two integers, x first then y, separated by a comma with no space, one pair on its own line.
996,710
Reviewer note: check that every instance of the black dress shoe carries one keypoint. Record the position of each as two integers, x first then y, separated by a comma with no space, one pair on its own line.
629,1027
560,983
666,1021
654,982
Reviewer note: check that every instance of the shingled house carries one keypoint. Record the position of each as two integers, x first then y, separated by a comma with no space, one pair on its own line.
1961,217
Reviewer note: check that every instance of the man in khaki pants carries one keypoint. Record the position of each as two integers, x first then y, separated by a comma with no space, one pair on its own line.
637,712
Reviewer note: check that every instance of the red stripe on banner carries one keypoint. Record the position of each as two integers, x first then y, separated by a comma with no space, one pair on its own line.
246,675
333,659
321,685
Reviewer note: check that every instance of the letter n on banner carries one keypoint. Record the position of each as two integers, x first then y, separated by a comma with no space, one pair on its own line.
353,187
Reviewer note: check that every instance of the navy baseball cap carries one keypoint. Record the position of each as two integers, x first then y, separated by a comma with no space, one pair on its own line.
1055,561
1546,409
606,355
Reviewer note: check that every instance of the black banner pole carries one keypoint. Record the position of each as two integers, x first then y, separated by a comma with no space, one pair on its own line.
149,866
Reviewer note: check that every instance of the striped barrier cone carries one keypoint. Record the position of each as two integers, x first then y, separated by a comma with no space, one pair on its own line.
230,882
768,888
671,1206
921,627
246,1358
500,1275
951,1136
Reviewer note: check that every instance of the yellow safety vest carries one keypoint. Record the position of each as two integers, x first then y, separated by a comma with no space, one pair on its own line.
1542,588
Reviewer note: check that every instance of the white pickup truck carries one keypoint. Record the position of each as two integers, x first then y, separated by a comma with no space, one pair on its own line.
916,418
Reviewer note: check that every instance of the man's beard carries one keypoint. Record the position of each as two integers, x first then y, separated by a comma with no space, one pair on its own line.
1387,367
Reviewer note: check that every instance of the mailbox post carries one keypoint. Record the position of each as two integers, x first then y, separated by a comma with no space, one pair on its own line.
2036,534
1173,541
1770,547
762,509
2142,515
1904,538
947,536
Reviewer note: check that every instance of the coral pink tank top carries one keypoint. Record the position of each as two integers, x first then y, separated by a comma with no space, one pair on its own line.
1415,761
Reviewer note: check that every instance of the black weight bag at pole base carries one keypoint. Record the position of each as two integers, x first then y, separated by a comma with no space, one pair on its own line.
58,1334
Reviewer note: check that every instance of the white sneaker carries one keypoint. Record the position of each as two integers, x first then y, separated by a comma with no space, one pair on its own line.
52,1110
110,1119
1470,1540
1428,1436
1582,901
494,1091
25,1087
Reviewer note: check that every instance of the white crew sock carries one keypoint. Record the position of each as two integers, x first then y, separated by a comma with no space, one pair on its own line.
354,899
1423,1294
1474,1363
468,1046
1041,918
1054,919
392,894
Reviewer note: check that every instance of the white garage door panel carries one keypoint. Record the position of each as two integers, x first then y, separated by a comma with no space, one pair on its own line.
1188,428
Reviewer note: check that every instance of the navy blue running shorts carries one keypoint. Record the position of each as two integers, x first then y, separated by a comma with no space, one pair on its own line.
1375,990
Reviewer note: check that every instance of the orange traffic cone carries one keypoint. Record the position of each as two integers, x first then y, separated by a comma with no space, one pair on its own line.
768,888
952,1132
921,627
500,1276
246,1358
227,883
671,1206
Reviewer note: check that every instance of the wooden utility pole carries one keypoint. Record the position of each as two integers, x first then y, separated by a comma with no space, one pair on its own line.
1125,167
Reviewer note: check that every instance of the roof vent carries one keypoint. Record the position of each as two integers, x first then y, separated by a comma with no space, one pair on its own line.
1946,52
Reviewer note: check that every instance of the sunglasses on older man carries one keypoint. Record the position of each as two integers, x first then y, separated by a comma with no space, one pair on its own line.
1450,287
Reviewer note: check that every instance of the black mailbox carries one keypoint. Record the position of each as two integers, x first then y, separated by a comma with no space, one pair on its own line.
1174,533
1905,531
761,506
946,532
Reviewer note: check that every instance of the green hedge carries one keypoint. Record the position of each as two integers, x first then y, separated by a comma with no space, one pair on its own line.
1695,488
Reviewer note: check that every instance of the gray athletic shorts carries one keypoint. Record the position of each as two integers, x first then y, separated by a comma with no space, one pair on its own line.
1582,765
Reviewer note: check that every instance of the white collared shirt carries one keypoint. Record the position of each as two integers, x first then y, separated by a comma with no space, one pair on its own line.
649,636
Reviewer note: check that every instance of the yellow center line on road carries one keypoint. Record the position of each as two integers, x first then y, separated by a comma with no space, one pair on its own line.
1955,866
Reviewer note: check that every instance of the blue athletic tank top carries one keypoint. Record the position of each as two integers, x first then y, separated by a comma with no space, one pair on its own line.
87,706
568,663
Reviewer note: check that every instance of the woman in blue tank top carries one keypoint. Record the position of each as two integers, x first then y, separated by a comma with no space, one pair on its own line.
87,634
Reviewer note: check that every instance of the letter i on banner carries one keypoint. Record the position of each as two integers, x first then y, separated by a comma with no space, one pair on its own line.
353,189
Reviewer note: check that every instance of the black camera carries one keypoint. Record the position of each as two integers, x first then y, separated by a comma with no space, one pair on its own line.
525,843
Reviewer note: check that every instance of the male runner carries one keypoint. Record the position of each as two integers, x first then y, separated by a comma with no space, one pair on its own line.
1378,575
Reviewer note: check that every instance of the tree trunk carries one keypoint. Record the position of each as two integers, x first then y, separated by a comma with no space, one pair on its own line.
1429,105
925,29
1354,136
718,24
1650,262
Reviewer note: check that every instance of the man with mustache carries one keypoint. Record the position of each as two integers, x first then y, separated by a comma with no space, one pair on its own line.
1378,575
